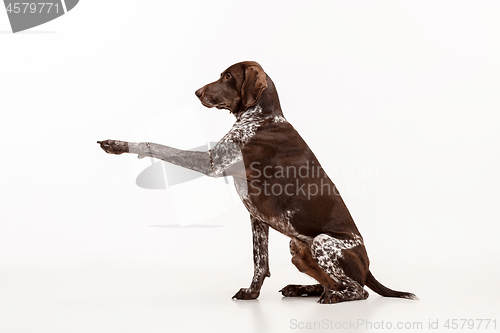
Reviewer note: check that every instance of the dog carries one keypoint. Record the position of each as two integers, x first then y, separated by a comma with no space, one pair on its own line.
282,185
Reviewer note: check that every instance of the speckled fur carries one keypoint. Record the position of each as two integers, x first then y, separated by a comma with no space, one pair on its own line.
326,251
260,232
227,152
245,126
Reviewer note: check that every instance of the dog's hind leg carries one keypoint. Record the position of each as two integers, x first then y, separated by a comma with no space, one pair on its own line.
303,260
345,261
260,232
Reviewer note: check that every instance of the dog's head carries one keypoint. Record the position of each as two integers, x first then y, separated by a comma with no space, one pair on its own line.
239,87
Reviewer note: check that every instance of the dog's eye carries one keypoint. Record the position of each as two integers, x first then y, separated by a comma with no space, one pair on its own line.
227,76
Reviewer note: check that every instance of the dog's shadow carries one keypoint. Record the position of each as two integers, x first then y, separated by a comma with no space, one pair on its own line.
261,320
374,307
303,309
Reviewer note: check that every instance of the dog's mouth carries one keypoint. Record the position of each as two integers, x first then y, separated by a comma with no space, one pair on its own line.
217,106
205,104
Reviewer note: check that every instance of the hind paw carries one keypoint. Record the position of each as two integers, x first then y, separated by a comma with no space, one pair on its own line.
332,296
295,290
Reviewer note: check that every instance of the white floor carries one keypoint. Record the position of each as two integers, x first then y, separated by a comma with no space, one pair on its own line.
122,297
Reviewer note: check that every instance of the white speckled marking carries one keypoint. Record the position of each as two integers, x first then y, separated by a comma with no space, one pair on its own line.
260,234
241,132
245,126
227,152
279,119
225,155
326,250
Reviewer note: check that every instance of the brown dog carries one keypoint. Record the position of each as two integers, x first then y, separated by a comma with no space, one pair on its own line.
282,185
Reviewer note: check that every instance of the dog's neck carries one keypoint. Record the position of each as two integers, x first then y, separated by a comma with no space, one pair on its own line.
252,114
267,106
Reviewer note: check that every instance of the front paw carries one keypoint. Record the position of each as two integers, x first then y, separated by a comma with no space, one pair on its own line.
246,293
114,146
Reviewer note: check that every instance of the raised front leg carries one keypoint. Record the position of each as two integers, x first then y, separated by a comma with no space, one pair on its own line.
260,232
224,159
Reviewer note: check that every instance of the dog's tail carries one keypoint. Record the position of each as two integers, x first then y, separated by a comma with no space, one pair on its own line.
380,289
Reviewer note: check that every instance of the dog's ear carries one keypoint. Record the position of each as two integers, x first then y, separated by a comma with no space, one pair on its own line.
255,82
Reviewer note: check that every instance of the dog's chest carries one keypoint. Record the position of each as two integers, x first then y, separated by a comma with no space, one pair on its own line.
241,132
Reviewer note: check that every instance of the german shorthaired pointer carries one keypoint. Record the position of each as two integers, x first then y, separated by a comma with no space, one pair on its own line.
281,184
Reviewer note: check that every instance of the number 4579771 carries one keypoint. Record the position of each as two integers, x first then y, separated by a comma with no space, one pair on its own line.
32,7
470,324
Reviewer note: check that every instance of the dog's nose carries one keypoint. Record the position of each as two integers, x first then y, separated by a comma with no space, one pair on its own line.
199,92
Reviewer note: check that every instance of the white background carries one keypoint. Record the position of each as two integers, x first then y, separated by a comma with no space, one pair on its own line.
398,100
